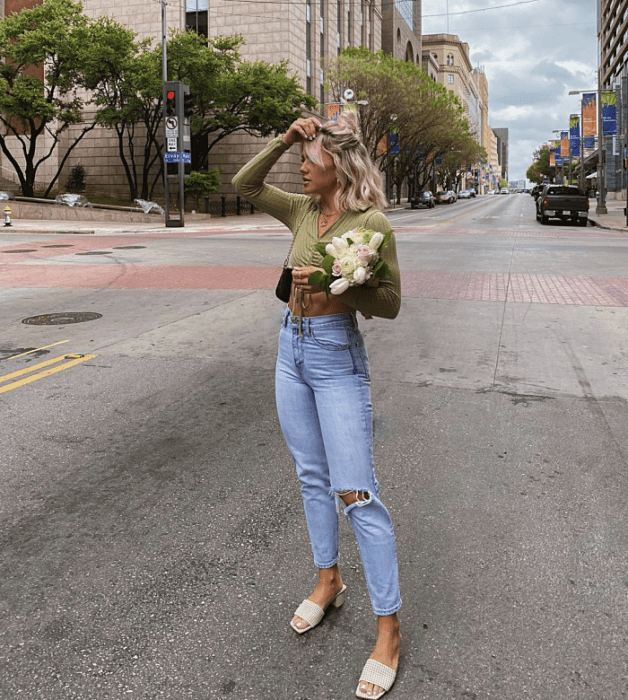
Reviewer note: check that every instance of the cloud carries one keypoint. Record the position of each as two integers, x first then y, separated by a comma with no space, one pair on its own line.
533,54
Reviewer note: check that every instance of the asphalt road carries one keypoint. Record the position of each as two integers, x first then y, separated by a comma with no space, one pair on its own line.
152,537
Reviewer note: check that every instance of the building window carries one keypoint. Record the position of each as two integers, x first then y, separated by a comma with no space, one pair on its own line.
451,78
405,8
196,16
450,60
308,47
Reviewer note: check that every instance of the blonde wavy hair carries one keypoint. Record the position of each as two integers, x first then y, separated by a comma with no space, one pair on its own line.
359,181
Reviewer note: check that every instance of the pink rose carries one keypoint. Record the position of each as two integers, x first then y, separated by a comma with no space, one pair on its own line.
336,269
364,252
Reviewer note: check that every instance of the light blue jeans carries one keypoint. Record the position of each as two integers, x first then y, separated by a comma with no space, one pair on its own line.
323,395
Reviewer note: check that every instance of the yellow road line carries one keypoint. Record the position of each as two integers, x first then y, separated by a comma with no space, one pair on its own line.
41,375
45,347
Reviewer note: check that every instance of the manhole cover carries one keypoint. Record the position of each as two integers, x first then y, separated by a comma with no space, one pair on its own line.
22,250
95,252
59,245
129,247
61,318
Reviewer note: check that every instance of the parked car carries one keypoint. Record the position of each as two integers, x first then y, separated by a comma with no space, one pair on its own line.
564,202
443,197
454,196
422,199
466,194
504,190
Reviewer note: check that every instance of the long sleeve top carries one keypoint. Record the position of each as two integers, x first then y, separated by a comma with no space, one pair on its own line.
299,212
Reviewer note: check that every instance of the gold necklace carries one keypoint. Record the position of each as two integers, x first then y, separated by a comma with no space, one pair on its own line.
324,217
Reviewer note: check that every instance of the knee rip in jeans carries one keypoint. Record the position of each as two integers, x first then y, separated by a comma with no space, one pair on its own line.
355,496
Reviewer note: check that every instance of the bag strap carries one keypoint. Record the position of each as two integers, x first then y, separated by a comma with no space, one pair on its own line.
286,262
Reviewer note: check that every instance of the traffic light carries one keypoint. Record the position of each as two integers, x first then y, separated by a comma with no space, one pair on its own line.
188,104
171,103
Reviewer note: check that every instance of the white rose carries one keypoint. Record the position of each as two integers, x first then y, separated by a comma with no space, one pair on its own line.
330,249
339,286
348,263
376,241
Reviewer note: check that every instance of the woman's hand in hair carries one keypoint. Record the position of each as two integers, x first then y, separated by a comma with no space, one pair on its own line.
301,129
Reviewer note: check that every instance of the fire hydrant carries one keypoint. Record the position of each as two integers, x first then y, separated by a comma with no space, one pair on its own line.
7,215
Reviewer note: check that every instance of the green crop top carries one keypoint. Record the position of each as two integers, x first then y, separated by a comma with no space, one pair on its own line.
299,213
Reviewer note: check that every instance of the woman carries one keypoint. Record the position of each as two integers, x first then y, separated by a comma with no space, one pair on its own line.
322,376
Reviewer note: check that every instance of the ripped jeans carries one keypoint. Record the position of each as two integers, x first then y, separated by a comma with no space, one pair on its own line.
323,397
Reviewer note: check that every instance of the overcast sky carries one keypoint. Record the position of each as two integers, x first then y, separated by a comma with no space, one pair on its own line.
533,53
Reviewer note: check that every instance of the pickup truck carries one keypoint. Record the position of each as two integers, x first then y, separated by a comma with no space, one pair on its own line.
564,202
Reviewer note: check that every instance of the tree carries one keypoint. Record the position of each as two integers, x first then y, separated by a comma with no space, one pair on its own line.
43,52
229,95
540,169
128,93
232,95
408,121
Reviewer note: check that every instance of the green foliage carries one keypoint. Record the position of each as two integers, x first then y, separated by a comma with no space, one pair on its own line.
540,169
229,95
202,184
76,180
398,96
56,42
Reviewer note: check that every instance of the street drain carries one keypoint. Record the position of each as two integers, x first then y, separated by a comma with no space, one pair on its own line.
22,250
61,318
95,252
129,247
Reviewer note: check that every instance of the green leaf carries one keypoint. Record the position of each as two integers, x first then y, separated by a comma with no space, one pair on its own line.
317,279
382,271
320,247
327,264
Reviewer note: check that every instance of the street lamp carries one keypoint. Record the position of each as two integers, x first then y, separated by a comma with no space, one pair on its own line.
601,189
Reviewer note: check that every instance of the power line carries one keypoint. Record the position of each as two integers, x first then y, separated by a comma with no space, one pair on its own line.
482,9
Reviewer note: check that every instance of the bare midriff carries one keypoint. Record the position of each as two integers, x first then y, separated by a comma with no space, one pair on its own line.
316,304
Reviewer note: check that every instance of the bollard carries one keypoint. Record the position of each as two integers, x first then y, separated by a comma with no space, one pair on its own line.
238,205
223,205
7,216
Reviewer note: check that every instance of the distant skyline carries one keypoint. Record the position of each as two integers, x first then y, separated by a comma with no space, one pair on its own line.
533,53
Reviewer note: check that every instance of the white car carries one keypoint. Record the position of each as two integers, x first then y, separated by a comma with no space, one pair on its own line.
504,190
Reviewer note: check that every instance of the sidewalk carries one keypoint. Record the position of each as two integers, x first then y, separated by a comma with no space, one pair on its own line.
615,219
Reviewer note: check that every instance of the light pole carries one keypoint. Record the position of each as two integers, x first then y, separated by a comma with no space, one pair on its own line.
601,165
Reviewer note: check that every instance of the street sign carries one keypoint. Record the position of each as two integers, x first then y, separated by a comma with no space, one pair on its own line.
172,123
178,157
172,133
172,144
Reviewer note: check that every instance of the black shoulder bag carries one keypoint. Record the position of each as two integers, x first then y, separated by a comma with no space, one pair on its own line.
282,291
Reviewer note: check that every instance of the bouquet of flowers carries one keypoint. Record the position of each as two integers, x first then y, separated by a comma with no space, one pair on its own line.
351,260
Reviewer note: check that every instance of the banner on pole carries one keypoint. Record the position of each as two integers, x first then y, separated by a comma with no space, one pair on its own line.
574,134
589,114
564,144
609,114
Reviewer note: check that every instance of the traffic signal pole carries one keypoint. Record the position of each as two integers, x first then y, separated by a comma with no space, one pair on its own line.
177,107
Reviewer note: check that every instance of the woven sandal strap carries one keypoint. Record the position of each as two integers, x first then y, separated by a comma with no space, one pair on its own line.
378,674
310,612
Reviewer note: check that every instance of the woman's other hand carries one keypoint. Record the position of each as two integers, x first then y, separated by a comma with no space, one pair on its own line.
300,276
301,130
